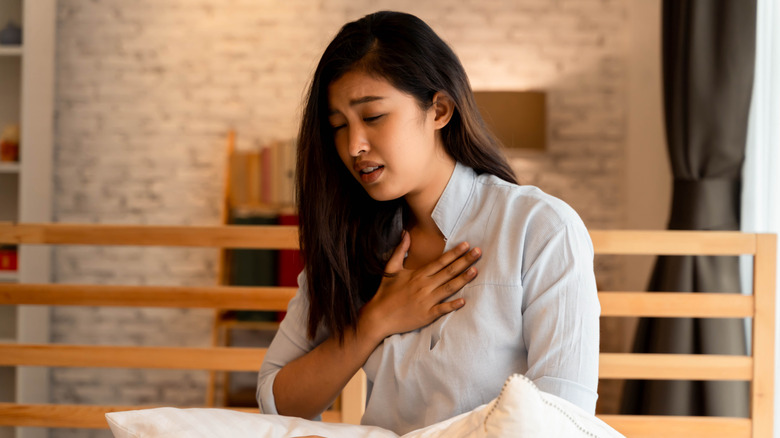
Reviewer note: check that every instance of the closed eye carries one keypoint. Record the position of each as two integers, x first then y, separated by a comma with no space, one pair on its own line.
365,119
373,118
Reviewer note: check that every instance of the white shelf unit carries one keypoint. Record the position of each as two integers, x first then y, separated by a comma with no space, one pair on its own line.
8,277
11,50
10,112
6,167
27,99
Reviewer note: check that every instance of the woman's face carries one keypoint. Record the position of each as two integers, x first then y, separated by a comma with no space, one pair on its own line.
391,146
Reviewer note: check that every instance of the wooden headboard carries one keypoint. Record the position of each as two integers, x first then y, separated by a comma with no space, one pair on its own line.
758,368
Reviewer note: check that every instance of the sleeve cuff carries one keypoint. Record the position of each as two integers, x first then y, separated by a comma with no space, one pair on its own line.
265,394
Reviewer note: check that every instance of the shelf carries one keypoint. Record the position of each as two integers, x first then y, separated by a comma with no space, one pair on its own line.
9,167
9,276
11,50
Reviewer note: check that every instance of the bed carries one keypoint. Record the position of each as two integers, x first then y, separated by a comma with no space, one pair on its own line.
758,368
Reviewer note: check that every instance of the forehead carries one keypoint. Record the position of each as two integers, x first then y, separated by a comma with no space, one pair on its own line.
356,85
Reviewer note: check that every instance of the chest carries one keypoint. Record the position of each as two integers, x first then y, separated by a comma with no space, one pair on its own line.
454,364
423,250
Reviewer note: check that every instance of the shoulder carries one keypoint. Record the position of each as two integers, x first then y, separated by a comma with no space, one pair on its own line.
526,207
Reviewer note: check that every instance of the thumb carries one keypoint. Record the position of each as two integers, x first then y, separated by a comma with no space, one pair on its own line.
396,262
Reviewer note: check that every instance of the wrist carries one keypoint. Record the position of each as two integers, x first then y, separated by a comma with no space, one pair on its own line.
370,327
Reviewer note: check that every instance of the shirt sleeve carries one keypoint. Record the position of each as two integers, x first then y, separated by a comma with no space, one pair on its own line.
289,343
561,315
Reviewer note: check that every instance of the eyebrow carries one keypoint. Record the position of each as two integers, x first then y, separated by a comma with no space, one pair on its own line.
358,101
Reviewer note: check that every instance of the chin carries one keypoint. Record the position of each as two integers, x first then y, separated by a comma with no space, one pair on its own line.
382,196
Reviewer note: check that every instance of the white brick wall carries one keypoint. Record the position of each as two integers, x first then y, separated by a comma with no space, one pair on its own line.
147,90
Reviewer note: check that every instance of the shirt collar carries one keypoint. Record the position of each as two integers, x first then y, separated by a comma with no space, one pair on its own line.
453,201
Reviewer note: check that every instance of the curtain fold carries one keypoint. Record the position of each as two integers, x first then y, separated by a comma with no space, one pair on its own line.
708,62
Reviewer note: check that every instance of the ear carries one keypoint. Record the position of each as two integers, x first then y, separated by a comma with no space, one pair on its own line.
443,107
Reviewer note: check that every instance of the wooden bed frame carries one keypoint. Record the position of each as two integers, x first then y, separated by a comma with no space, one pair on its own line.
758,368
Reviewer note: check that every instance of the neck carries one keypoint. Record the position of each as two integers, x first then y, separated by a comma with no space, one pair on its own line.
422,202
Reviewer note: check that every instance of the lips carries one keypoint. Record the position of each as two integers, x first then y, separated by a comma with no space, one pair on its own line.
368,171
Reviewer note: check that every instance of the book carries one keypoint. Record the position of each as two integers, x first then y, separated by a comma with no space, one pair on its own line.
8,258
287,159
289,261
265,175
253,267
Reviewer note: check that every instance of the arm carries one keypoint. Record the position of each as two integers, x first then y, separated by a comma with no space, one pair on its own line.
307,384
561,316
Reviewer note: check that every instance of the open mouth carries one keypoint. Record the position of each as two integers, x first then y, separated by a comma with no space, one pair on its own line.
370,174
369,170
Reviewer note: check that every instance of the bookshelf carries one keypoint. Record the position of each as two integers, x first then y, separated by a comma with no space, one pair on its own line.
258,191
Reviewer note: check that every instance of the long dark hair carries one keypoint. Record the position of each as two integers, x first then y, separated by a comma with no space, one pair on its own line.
346,236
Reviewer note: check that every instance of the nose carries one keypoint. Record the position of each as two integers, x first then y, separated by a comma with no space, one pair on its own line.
358,142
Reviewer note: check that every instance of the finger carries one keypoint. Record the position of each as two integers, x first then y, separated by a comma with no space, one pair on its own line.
446,259
396,262
447,307
454,285
457,266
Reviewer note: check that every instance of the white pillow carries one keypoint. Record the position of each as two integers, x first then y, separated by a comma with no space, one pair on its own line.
211,423
521,410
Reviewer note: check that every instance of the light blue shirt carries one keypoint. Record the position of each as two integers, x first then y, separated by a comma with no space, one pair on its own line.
533,309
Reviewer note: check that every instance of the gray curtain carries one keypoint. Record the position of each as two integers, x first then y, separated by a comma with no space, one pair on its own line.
708,61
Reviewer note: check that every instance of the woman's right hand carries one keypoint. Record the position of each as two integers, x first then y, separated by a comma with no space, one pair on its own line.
409,299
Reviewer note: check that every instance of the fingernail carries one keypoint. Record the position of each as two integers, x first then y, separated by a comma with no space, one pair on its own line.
460,302
472,271
475,252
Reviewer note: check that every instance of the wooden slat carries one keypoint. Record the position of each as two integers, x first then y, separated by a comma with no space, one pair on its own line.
215,297
226,236
56,415
353,398
674,366
182,358
286,237
612,365
75,416
765,289
84,416
657,304
676,304
650,426
673,242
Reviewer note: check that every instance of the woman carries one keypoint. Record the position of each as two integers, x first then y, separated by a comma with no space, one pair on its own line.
397,178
